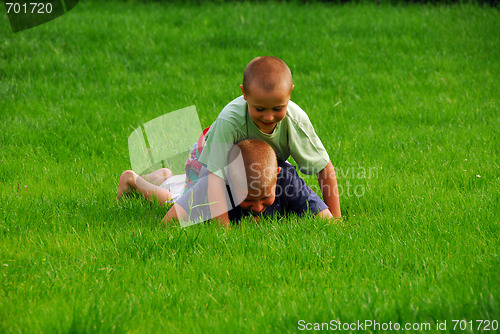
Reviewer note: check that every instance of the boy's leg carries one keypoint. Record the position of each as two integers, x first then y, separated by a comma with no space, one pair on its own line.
159,176
130,180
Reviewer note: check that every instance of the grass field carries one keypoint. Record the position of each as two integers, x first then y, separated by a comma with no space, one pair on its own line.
406,99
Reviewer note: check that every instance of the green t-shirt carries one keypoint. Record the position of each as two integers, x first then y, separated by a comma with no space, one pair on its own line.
293,136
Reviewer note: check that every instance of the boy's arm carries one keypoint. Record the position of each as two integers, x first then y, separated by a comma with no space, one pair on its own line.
173,213
216,195
328,183
217,199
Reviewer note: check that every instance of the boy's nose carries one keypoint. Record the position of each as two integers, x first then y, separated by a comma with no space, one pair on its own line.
258,207
268,117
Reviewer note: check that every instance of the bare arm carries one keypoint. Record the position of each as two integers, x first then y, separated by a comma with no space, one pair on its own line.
173,213
217,199
328,183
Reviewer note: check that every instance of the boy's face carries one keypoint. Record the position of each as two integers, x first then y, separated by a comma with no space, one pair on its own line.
266,108
258,200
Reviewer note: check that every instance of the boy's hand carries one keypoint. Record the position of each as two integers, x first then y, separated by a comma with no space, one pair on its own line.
224,221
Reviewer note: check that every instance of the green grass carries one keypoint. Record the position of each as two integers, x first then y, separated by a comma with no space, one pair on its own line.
418,88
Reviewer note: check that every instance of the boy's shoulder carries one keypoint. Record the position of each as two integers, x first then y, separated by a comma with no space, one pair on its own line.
232,118
287,167
288,172
296,114
234,110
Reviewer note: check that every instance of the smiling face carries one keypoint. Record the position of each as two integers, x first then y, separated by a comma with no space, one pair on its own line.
267,86
267,108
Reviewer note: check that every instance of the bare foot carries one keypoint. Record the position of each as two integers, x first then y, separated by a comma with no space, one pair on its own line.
124,186
158,177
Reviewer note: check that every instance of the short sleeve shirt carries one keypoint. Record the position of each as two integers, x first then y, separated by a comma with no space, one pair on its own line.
293,136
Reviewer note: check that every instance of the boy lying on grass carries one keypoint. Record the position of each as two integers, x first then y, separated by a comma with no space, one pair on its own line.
259,185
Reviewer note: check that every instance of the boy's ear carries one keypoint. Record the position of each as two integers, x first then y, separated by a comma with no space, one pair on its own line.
243,91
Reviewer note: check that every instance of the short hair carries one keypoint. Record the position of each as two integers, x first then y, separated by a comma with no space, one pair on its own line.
268,72
259,170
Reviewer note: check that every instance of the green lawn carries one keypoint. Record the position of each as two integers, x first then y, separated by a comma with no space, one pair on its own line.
406,100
